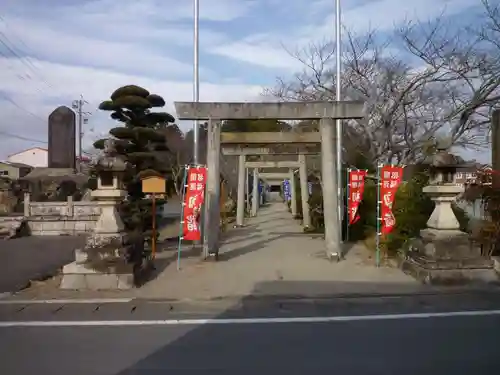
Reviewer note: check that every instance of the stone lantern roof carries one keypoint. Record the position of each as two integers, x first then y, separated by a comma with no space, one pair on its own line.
111,160
443,159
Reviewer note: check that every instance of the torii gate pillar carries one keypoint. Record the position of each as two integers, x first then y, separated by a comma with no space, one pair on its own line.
330,183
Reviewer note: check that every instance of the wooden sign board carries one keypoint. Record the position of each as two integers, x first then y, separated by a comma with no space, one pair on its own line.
153,185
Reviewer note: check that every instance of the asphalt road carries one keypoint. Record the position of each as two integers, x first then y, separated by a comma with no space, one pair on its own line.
422,346
29,258
366,339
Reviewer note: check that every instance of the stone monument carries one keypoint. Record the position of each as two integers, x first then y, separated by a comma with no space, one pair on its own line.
103,263
62,138
443,254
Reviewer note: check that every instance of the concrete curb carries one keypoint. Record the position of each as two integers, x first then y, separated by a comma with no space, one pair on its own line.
41,276
259,299
94,301
326,297
5,295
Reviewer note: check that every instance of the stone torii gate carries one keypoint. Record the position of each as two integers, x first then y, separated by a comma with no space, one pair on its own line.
284,143
273,177
326,112
304,196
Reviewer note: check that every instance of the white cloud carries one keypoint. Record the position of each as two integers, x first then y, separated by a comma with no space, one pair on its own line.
91,47
357,16
165,21
95,85
383,15
79,50
130,11
264,53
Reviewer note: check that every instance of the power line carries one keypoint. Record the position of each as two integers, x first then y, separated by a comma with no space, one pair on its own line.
10,135
12,51
78,105
25,60
10,46
15,104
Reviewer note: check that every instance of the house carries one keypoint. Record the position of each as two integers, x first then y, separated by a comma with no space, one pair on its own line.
38,157
14,171
473,174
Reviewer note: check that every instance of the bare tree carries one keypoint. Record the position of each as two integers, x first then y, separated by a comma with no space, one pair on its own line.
91,151
467,64
177,157
449,91
392,90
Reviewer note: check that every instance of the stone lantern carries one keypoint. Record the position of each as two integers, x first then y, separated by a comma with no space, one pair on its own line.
101,264
443,254
110,191
443,189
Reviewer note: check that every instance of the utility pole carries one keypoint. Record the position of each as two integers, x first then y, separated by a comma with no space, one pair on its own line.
338,122
196,78
78,105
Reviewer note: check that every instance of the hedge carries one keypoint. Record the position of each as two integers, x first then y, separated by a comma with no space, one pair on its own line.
412,208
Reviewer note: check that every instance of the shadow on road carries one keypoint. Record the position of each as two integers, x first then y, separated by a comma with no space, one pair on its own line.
33,258
393,346
216,341
242,250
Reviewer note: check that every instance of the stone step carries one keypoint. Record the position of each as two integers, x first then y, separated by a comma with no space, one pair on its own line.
9,227
9,223
4,233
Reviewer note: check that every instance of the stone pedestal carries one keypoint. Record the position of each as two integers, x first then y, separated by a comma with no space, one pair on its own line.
447,257
443,196
102,265
109,223
443,254
117,274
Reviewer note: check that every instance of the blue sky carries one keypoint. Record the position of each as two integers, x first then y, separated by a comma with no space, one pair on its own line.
64,48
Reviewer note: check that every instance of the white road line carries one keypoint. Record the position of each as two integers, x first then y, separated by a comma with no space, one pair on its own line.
65,301
175,322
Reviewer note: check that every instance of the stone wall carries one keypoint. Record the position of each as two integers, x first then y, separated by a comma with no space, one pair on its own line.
7,202
60,218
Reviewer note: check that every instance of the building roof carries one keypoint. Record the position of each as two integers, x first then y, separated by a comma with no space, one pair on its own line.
16,165
55,174
84,158
28,149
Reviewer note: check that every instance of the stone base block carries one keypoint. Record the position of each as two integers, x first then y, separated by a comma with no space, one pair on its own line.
78,277
428,274
447,257
496,264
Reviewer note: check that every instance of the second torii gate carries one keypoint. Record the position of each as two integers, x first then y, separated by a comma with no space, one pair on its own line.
304,196
325,111
299,164
278,143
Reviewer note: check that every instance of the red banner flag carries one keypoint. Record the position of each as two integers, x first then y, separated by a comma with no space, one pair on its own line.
193,200
356,189
390,179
